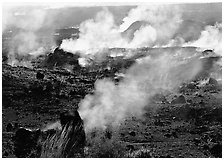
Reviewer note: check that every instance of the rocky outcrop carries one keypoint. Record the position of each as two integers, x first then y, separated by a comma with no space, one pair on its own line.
25,141
61,58
75,137
28,142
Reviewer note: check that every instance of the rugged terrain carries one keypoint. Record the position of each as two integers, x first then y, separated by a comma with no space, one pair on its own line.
184,124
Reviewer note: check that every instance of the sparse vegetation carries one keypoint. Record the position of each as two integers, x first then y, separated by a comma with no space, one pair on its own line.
55,146
140,153
100,146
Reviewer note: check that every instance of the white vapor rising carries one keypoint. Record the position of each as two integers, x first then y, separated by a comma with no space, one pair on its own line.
102,32
95,34
111,104
162,23
26,41
210,38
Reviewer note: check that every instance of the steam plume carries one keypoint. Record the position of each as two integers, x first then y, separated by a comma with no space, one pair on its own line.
111,104
101,32
210,38
26,41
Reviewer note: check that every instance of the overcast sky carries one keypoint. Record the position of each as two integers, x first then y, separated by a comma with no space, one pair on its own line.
64,16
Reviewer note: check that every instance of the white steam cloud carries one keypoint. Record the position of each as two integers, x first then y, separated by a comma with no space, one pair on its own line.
161,23
111,104
95,34
210,38
26,41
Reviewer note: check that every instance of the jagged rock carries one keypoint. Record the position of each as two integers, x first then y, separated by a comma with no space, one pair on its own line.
75,138
27,141
61,58
179,100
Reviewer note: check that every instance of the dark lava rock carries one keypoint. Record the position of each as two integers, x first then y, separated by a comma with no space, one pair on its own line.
75,137
179,100
60,58
9,127
212,81
40,75
216,150
25,142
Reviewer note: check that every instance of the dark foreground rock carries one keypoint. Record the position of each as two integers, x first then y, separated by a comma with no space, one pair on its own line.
32,143
179,100
25,142
75,138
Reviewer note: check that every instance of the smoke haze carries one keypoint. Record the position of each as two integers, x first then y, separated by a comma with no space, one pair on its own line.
102,32
111,104
153,26
27,42
144,26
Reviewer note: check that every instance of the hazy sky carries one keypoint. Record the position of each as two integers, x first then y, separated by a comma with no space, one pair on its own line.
63,16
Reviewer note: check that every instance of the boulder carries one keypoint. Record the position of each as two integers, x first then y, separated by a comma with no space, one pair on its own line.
29,143
179,100
213,81
60,58
75,139
25,142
